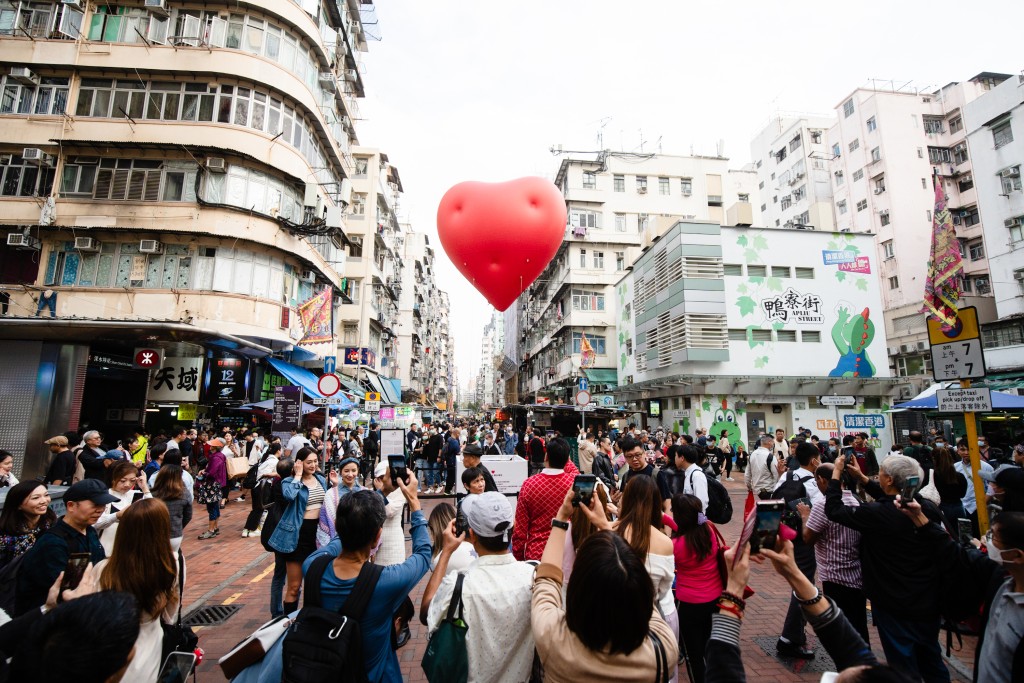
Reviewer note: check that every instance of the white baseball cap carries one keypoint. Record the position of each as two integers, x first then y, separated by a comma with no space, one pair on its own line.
488,514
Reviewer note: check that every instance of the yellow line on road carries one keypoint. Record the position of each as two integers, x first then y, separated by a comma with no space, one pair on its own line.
231,599
262,575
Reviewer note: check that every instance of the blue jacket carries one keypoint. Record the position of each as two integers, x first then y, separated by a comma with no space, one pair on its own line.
286,536
511,441
451,451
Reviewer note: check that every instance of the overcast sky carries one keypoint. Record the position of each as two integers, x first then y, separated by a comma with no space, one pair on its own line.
481,90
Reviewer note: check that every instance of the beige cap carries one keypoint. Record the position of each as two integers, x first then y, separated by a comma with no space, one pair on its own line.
57,441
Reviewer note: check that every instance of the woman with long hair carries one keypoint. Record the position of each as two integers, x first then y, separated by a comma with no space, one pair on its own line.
440,517
344,481
581,528
698,582
295,535
124,477
7,477
26,515
952,487
149,572
170,488
584,639
266,470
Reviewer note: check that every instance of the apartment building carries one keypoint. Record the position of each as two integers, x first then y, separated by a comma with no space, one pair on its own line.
618,205
995,133
886,148
175,177
490,386
791,157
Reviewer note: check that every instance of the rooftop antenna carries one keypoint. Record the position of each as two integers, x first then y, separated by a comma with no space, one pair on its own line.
600,132
641,140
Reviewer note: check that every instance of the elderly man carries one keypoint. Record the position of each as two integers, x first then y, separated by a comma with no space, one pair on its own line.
760,475
587,453
92,456
900,573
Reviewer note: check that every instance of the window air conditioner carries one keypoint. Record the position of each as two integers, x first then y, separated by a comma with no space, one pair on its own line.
157,6
86,244
922,346
24,75
893,350
879,190
327,81
21,241
1011,172
150,247
904,348
32,154
5,159
307,276
1011,222
641,190
216,165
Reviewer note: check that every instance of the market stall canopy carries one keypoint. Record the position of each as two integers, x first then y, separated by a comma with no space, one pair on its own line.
301,377
606,376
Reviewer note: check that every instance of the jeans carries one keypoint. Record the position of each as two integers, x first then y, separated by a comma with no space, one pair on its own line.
853,604
49,302
277,586
911,646
694,634
433,471
449,484
213,509
793,630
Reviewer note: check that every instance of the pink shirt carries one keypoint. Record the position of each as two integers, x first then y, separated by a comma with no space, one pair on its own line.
697,581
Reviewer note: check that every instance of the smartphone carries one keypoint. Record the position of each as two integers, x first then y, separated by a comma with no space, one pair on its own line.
74,570
767,519
964,531
398,469
137,496
909,489
177,667
583,486
460,519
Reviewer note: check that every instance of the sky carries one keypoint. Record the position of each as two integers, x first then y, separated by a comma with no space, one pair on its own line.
481,90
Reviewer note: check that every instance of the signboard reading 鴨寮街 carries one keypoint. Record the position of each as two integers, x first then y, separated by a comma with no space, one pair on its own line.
794,307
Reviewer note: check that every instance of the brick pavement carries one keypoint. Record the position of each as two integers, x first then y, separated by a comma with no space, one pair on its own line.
235,570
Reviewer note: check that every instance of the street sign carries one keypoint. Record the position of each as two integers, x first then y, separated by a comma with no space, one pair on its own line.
328,385
958,360
372,406
329,401
372,396
837,400
584,384
330,364
146,358
585,409
582,397
966,327
977,400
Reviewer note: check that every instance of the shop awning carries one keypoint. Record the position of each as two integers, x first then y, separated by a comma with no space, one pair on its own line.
352,386
300,377
607,376
1000,401
1002,381
385,388
268,406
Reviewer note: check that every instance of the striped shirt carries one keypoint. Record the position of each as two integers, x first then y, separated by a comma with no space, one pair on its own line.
837,550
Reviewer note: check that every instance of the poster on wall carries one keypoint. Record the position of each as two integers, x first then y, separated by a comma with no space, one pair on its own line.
176,380
226,380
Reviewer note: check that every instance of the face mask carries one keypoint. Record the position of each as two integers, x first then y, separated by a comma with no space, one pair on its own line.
939,444
995,554
829,677
981,444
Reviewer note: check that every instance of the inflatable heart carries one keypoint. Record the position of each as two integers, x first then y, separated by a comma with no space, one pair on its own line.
501,236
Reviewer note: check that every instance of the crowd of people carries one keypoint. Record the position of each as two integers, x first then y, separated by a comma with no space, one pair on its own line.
627,579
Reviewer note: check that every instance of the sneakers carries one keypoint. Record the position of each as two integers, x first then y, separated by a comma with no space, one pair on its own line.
729,479
784,649
207,534
240,499
245,533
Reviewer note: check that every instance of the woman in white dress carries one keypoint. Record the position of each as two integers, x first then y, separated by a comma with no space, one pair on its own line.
392,538
124,476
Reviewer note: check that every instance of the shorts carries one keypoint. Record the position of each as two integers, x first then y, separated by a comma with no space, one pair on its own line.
307,542
214,510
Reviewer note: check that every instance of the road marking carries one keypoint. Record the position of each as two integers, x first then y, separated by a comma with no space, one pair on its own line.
231,599
262,575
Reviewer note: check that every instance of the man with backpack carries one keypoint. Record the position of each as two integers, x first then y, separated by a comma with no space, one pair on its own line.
760,474
797,486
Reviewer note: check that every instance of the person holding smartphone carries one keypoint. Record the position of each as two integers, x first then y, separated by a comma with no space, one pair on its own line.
127,487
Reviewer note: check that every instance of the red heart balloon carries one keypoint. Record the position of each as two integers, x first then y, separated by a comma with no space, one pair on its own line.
501,236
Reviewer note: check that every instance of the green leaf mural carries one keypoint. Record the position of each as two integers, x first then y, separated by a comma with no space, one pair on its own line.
686,425
622,337
840,276
862,284
778,325
706,405
750,336
741,240
832,245
774,284
623,360
746,305
756,280
759,362
852,247
750,255
742,288
760,242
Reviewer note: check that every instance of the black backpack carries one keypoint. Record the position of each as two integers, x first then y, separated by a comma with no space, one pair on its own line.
719,503
792,491
322,646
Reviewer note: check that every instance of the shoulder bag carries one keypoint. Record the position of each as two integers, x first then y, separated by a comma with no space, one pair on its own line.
663,672
445,659
178,637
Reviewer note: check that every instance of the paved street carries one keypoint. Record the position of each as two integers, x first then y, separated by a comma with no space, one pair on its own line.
231,570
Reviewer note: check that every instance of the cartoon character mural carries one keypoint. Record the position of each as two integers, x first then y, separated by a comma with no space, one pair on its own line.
726,420
852,336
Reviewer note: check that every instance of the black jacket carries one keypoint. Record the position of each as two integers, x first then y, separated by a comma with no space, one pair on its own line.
603,469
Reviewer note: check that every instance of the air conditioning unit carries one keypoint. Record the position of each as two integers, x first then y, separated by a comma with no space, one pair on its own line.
20,241
1012,222
150,247
307,276
5,159
893,350
86,244
906,392
216,165
641,190
905,348
351,75
33,154
157,6
922,346
24,75
327,81
1011,172
879,190
73,3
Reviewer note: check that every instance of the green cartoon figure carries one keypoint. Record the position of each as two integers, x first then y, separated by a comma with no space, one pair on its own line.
852,336
725,420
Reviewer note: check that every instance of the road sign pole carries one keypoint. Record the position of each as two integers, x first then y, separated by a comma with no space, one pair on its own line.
839,434
979,485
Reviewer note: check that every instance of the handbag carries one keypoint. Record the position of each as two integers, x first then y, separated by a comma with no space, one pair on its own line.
237,467
254,648
177,637
445,659
662,671
207,491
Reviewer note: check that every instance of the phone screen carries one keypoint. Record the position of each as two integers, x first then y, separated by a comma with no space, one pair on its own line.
767,518
137,496
177,667
909,489
964,531
74,570
398,468
583,486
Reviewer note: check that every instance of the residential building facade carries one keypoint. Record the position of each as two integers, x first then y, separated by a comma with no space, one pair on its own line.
490,386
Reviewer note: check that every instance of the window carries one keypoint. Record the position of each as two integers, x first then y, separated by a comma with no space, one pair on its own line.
1016,228
858,174
785,335
764,207
50,97
757,271
872,124
966,182
619,183
787,202
1013,335
876,154
620,222
862,204
880,185
1018,277
741,197
855,145
810,336
971,216
976,250
883,218
589,180
816,137
981,285
620,260
933,125
761,335
596,342
965,284
840,178
687,186
795,143
960,153
803,219
848,108
888,250
362,165
643,221
894,282
1010,179
714,200
580,218
359,204
733,269
799,193
641,184
836,151
583,258
956,124
737,334
663,187
841,206
804,273
587,300
599,260
939,155
20,178
1002,134
780,155
781,271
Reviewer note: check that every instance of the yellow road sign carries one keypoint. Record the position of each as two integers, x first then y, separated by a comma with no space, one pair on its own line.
966,328
372,396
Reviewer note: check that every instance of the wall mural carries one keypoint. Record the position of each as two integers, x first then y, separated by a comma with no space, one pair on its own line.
625,324
852,336
723,417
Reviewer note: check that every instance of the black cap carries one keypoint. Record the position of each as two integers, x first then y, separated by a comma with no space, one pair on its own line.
472,449
92,490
